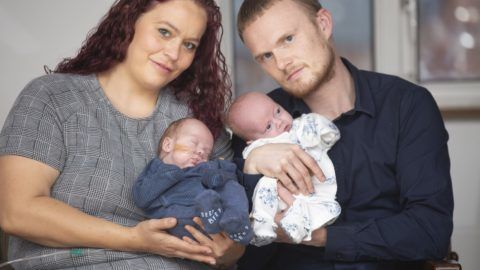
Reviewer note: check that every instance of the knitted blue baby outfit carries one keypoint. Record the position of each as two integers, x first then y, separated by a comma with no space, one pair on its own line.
209,190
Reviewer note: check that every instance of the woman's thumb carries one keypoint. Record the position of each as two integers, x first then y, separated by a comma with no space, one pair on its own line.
164,223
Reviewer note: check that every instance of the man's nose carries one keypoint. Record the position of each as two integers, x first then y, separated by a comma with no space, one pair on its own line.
283,60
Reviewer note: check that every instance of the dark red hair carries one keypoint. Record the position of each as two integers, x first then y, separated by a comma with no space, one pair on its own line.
205,85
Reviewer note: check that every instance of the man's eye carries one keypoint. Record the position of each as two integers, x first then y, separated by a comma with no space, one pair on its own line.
267,56
164,32
289,38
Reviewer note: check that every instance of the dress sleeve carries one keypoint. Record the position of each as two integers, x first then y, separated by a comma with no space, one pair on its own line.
423,226
33,128
222,148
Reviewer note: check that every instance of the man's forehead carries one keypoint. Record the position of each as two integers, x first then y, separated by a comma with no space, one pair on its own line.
266,29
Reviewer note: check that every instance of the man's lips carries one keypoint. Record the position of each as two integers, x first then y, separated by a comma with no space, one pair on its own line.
294,73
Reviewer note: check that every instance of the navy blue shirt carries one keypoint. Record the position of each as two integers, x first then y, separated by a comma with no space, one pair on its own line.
393,175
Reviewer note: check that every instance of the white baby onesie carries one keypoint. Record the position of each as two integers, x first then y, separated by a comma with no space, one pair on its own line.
316,135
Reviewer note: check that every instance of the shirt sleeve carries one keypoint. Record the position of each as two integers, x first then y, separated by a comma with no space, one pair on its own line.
33,128
422,228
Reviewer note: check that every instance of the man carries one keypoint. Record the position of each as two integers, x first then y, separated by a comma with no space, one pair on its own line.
392,163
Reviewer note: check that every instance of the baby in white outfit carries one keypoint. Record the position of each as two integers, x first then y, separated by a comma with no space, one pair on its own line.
258,120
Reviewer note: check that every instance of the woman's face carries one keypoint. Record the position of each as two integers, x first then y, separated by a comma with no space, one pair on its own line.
166,38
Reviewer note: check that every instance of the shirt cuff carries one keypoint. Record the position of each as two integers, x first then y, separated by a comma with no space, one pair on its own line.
340,244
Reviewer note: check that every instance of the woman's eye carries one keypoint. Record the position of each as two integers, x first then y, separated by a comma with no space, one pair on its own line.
164,32
190,46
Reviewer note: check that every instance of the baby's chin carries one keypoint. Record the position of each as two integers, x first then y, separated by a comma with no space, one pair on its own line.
193,163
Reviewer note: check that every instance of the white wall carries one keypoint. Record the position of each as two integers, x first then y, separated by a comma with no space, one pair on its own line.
464,150
35,33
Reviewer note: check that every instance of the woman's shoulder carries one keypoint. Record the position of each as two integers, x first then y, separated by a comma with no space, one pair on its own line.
56,89
58,82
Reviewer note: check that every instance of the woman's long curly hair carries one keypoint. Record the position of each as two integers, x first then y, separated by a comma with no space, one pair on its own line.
205,85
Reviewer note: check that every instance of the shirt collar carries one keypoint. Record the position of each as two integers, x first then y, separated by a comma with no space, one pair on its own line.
363,95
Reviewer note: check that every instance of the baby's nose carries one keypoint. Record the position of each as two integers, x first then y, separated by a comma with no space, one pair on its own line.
278,123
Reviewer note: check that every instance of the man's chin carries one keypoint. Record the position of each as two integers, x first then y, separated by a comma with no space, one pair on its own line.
299,93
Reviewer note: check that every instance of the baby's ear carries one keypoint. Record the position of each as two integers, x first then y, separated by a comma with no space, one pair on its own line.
167,145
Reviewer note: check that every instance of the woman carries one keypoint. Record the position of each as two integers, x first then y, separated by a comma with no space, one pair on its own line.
75,141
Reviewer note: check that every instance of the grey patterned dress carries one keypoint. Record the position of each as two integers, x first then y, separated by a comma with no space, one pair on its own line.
66,122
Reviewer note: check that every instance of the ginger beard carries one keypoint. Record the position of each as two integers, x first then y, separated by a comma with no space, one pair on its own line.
318,78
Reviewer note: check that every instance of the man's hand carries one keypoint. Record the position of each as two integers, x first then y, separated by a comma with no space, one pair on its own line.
319,236
288,163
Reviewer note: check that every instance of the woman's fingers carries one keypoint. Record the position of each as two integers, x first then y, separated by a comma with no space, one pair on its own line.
157,241
198,236
189,240
162,224
196,257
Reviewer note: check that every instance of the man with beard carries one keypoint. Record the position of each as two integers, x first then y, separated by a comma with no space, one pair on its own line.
392,162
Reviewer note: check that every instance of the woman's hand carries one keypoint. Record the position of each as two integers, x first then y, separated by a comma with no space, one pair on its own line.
225,250
154,239
289,163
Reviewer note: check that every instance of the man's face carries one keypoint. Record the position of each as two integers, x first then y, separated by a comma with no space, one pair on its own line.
291,47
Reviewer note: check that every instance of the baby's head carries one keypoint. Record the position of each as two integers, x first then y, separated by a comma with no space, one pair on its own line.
186,143
255,115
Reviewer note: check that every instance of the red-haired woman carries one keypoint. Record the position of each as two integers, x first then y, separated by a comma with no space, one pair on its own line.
75,141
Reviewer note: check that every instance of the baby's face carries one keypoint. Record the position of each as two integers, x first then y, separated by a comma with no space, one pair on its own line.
265,119
192,144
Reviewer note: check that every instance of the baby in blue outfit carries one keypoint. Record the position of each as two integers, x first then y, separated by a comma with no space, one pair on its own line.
182,183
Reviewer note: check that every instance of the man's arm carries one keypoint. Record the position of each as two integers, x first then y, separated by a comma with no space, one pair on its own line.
423,227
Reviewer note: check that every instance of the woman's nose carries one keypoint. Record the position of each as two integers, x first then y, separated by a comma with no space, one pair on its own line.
172,50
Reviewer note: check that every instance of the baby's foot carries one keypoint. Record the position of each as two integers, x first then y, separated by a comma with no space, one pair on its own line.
210,210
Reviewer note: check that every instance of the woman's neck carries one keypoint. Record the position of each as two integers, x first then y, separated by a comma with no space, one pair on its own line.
126,94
